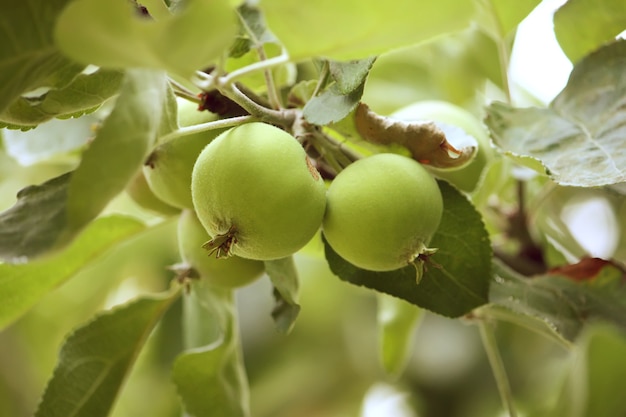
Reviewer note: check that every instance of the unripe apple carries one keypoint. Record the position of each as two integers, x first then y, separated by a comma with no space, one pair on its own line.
140,193
465,178
382,211
168,168
257,193
231,272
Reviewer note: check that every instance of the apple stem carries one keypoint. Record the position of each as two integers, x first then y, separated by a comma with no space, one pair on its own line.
221,244
204,127
267,64
497,365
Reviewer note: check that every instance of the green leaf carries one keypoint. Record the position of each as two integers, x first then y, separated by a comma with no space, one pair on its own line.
254,25
581,26
33,225
85,93
558,302
457,278
23,285
397,321
452,67
120,147
579,138
96,359
210,376
49,216
301,93
284,277
350,75
113,35
332,105
499,18
354,29
28,58
593,385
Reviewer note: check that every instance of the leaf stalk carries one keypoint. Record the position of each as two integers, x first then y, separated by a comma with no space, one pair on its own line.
497,365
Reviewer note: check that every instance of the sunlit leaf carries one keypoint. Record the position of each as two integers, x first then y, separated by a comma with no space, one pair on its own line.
284,277
210,376
114,35
457,278
120,146
397,321
581,26
500,17
358,29
580,137
28,58
85,93
97,358
22,285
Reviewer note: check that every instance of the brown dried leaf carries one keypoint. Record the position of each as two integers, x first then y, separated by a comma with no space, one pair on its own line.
426,142
586,269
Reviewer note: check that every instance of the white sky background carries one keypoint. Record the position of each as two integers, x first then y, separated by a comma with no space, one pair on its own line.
537,63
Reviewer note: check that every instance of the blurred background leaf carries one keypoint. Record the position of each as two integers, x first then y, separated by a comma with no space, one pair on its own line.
209,375
358,29
594,370
22,285
582,26
560,302
116,35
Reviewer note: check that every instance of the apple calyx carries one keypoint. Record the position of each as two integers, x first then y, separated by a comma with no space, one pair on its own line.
221,244
419,262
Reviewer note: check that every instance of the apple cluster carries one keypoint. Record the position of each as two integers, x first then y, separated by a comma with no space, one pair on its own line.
259,197
251,194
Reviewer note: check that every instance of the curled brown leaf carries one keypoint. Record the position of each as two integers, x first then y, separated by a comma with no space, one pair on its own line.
426,142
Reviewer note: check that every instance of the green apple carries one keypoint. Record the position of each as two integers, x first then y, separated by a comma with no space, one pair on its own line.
450,118
231,272
140,193
257,193
382,211
168,168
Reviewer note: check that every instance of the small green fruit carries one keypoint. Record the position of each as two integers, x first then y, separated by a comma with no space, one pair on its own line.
382,211
232,272
466,177
257,193
140,193
189,115
168,168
